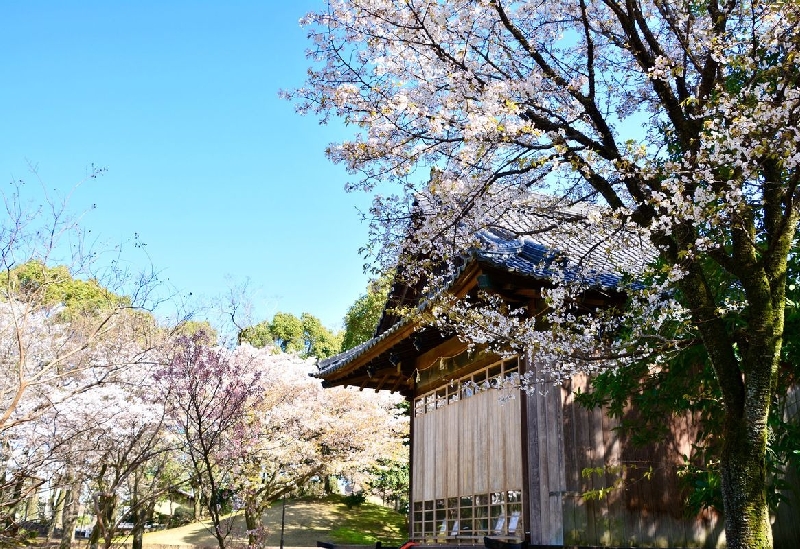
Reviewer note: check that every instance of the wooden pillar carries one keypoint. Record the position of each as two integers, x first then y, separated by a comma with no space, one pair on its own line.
530,473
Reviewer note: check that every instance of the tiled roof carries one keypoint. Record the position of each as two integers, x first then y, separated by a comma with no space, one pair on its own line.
589,258
335,363
585,256
575,253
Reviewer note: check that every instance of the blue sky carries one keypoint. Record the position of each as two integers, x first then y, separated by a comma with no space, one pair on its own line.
179,101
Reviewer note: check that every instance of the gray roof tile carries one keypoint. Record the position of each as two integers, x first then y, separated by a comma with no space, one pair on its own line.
580,255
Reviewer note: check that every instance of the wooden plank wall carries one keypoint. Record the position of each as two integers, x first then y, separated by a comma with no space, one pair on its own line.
786,528
473,447
643,511
573,451
546,465
468,447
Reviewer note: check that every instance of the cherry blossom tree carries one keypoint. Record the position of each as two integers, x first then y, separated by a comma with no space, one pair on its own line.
122,436
66,329
57,306
210,396
665,127
255,425
305,432
98,435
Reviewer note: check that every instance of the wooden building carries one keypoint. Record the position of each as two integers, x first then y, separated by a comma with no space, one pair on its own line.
489,460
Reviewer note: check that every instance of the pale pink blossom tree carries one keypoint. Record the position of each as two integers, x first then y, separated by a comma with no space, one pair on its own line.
96,437
116,432
254,425
669,127
56,305
301,432
61,328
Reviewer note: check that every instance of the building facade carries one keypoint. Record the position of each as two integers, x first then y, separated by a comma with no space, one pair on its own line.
488,459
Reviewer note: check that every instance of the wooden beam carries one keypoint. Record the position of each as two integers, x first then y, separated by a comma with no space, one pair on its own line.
397,382
467,281
449,348
373,352
383,381
529,292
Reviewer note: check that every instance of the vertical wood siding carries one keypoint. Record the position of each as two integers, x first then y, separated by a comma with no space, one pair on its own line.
474,446
546,464
786,528
468,447
574,451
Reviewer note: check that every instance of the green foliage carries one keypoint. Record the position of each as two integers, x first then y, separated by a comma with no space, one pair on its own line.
308,337
350,536
391,480
258,335
355,499
363,316
52,286
287,333
191,328
180,515
687,384
305,335
704,489
626,474
320,341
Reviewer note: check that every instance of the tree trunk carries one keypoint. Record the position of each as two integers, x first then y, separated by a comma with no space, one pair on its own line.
743,472
252,520
137,535
69,518
214,508
745,366
743,461
109,521
198,500
139,513
105,507
17,498
216,520
56,509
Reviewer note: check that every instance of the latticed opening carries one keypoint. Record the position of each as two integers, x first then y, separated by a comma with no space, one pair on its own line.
494,376
468,518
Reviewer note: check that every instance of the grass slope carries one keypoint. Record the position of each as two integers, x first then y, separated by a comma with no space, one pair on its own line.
307,521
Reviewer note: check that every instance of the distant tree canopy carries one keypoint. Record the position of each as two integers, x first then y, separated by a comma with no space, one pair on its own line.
190,328
51,286
308,337
363,316
305,336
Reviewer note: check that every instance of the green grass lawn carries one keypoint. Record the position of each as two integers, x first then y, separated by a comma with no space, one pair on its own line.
307,521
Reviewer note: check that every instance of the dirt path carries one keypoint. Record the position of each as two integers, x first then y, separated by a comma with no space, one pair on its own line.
306,523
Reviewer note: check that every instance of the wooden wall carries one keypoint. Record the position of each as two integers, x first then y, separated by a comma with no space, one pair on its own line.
546,466
557,452
468,447
573,451
786,527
